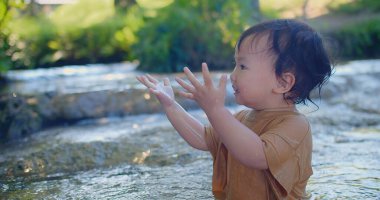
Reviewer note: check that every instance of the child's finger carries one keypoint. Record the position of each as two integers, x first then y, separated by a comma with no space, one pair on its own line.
206,75
139,79
153,91
187,87
166,82
152,79
142,80
147,83
193,80
186,95
223,81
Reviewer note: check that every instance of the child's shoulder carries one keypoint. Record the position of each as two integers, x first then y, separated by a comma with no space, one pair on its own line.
293,130
294,119
276,116
293,125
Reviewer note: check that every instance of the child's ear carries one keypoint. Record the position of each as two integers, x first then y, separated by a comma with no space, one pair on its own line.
285,83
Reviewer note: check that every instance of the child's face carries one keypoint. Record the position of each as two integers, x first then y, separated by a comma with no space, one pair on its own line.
254,78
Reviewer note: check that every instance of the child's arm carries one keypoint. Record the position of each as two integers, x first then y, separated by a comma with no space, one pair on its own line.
242,142
188,127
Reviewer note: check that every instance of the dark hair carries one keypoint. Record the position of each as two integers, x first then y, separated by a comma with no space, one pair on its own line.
298,49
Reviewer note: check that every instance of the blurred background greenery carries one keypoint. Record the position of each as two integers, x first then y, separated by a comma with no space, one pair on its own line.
165,35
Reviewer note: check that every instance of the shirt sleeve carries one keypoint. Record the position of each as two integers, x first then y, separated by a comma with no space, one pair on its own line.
280,147
211,141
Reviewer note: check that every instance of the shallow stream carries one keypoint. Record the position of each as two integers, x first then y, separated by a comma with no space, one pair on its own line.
142,157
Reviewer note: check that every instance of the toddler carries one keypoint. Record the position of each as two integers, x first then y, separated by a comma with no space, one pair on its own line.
264,151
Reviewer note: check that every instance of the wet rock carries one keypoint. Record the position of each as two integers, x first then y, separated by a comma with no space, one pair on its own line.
17,118
23,115
67,158
23,124
331,89
342,139
44,106
103,104
364,94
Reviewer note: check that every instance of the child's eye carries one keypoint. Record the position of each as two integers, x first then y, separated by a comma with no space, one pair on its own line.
242,67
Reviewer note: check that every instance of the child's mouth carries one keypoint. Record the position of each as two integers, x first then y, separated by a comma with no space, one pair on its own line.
236,90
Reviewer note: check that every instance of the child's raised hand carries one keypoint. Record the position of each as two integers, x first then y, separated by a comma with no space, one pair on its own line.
206,95
163,91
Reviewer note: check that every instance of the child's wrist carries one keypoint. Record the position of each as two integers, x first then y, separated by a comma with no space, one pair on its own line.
215,110
172,106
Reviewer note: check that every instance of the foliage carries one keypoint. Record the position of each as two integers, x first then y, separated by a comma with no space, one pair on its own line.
81,15
357,6
186,33
73,34
358,41
5,62
95,43
7,8
28,42
171,34
164,35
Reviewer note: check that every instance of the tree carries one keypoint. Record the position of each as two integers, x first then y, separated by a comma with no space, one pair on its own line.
7,8
304,9
187,33
256,14
32,9
122,5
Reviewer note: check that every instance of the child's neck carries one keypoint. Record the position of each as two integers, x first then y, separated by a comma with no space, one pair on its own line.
277,106
288,108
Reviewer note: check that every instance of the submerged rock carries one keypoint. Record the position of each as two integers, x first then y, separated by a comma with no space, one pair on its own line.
65,154
67,158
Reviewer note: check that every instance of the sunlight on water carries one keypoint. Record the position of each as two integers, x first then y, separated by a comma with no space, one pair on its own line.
344,161
142,156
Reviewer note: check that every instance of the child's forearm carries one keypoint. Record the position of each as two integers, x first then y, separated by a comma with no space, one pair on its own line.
243,143
187,126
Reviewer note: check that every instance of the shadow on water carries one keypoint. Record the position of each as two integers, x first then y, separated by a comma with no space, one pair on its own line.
141,156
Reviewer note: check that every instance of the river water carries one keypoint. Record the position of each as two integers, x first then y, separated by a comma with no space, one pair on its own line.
142,156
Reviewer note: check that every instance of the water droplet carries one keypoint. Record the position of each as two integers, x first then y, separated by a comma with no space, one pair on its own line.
147,96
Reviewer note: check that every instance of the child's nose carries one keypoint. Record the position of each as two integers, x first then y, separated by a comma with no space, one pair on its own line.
232,75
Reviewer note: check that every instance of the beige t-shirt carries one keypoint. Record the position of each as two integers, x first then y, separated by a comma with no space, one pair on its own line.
287,146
